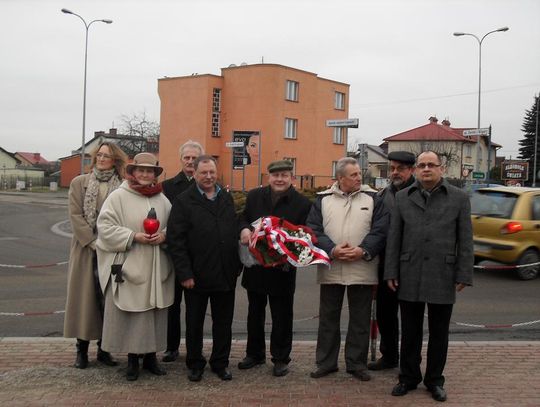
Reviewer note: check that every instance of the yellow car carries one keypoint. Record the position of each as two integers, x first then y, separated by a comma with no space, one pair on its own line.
506,225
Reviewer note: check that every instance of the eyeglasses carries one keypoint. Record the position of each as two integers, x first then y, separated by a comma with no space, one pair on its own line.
427,165
104,156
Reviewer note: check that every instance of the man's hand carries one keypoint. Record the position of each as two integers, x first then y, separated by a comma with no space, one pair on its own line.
346,252
460,286
188,284
245,235
392,284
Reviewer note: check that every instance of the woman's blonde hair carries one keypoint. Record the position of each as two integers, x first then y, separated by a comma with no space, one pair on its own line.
119,157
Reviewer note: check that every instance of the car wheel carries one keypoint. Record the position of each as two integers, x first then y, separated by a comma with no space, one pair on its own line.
528,273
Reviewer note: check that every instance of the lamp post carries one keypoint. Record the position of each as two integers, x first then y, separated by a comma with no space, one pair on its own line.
459,34
87,26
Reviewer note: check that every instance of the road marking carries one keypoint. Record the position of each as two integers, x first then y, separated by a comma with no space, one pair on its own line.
9,238
56,229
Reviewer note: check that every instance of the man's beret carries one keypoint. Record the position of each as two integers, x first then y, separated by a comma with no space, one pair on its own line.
403,157
280,165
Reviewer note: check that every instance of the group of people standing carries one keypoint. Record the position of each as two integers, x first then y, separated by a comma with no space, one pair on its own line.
412,240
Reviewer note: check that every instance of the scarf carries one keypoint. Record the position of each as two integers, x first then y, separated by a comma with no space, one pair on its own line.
146,190
112,179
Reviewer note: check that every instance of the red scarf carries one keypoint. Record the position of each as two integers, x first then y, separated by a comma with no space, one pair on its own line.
146,190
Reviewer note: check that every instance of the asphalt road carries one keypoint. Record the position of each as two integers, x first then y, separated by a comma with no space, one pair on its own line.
27,237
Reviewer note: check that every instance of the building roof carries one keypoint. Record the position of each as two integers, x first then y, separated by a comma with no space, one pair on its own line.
433,131
33,158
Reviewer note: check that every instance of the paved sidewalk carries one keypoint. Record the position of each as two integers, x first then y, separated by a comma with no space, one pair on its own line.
39,372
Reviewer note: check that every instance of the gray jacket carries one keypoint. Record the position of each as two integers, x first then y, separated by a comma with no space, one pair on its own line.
430,244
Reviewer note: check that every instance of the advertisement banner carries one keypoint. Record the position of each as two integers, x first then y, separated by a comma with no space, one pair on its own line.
247,154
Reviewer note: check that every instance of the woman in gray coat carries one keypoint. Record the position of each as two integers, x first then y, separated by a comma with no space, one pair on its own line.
84,303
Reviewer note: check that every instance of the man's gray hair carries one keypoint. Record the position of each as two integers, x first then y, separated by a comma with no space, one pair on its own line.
191,144
342,163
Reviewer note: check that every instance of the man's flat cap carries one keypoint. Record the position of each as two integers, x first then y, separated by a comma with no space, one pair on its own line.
404,157
280,165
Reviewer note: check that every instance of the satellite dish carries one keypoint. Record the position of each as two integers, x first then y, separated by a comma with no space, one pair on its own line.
232,65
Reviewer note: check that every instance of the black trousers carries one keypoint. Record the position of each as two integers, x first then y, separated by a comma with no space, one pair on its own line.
412,324
329,334
222,307
281,309
387,320
173,319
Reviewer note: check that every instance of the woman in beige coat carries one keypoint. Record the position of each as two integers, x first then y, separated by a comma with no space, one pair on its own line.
84,304
134,270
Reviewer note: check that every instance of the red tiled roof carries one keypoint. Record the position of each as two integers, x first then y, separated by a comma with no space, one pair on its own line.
34,158
431,131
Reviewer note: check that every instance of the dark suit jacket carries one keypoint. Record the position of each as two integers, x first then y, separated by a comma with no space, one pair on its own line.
293,207
176,185
430,244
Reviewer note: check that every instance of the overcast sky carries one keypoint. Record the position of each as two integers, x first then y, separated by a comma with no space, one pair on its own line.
400,58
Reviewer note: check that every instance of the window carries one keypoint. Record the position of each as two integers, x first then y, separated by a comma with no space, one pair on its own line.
293,161
334,166
339,135
468,150
216,108
290,128
536,208
291,91
340,101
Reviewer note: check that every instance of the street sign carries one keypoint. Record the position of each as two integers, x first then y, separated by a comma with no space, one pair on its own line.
478,175
342,123
476,132
234,144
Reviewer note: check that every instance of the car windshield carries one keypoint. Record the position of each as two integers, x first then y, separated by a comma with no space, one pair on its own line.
493,204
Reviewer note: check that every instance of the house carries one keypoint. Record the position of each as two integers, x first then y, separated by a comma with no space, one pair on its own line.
15,173
463,154
70,166
269,111
31,159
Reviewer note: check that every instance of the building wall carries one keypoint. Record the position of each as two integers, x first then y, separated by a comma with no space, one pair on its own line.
70,167
253,99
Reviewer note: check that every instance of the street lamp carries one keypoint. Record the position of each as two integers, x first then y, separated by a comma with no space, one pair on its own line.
87,26
459,34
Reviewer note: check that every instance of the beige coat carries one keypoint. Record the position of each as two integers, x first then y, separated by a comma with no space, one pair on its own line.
147,270
82,319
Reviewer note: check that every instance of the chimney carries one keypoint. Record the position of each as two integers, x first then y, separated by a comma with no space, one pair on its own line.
37,158
433,119
446,122
112,132
99,133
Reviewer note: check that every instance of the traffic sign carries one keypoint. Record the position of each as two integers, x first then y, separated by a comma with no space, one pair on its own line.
478,175
234,144
342,123
476,132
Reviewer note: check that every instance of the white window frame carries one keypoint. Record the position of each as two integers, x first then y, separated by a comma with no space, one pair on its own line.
291,90
291,128
339,100
334,167
338,135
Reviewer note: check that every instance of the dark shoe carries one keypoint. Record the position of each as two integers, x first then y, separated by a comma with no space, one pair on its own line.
106,358
320,372
438,393
132,372
361,374
81,362
170,356
248,362
223,373
195,375
401,389
381,364
280,369
150,363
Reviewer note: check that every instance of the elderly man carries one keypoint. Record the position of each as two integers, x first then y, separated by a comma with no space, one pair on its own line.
401,166
189,151
202,235
351,226
275,285
429,256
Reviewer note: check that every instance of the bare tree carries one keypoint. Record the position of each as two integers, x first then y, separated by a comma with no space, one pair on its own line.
142,134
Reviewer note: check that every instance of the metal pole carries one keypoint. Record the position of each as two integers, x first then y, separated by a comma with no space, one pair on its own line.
536,142
488,174
87,27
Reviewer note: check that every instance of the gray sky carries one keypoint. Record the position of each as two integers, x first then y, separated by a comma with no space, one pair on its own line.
400,58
